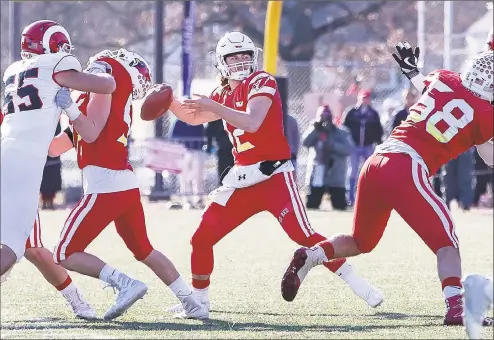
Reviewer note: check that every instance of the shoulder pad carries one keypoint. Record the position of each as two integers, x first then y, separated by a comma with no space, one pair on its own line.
13,69
66,62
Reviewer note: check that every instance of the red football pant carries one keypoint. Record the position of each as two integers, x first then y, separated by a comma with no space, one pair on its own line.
277,195
396,181
34,240
91,216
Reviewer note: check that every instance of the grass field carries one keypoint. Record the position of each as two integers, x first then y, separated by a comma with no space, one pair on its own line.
245,291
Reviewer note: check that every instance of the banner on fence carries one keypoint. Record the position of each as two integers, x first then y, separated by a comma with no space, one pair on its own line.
161,155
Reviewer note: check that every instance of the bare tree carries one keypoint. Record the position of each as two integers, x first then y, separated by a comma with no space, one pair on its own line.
298,33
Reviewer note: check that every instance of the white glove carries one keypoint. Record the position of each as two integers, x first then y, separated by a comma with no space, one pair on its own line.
64,101
98,66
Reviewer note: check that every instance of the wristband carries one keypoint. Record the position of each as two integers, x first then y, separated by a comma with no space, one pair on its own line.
73,112
412,73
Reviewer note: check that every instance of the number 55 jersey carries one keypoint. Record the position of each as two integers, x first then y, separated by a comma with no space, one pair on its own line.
446,121
31,118
31,115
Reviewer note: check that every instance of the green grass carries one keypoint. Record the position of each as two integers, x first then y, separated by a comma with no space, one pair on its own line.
245,290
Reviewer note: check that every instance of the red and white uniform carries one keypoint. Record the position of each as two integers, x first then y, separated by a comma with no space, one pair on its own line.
278,194
447,121
34,240
111,189
269,142
31,117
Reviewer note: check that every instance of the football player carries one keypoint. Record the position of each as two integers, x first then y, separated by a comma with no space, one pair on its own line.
55,274
31,117
453,114
477,290
111,189
262,178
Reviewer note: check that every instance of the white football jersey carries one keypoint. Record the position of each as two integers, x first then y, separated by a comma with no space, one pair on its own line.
31,115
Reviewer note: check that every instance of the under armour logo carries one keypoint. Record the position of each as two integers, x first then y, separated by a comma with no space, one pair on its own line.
240,177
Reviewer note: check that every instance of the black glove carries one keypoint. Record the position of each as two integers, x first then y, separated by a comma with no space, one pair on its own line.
407,58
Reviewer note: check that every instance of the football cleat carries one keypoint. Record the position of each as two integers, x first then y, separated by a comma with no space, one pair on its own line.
476,304
129,291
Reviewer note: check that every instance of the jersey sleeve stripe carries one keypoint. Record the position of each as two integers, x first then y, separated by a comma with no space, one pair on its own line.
261,75
265,90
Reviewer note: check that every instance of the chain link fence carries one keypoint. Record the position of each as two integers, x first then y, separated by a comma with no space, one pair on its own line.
323,83
339,67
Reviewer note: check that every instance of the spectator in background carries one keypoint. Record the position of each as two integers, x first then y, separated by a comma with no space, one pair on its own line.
388,107
329,148
410,97
365,127
215,131
192,175
484,178
52,179
458,180
293,137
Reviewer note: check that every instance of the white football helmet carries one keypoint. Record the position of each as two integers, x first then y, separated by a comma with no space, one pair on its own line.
478,76
138,68
233,43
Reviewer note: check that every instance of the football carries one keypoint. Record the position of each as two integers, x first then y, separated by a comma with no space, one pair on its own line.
156,102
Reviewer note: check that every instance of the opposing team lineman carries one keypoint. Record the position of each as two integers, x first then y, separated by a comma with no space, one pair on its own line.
111,189
454,114
262,178
478,290
54,274
31,117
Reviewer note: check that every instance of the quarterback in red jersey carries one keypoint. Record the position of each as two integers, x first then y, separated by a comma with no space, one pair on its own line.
454,114
111,190
262,178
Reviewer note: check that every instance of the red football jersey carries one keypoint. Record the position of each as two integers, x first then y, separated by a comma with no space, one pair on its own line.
269,142
446,121
109,150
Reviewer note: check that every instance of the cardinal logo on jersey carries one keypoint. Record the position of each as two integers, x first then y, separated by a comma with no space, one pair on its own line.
260,83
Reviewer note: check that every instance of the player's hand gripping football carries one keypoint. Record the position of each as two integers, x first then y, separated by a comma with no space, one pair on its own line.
407,59
202,104
64,101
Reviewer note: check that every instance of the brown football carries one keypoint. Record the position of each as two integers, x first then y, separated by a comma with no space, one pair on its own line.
156,102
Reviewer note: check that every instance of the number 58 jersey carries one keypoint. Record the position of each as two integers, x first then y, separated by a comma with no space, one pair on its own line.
31,115
446,121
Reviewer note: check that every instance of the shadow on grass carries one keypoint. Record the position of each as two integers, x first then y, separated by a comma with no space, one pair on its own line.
211,325
378,315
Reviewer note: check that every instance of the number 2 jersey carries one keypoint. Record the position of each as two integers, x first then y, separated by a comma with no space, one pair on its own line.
447,120
31,115
268,143
105,162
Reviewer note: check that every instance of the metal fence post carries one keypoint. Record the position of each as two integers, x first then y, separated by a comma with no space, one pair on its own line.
157,192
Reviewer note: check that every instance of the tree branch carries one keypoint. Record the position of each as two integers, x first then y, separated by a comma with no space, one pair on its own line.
241,19
348,19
